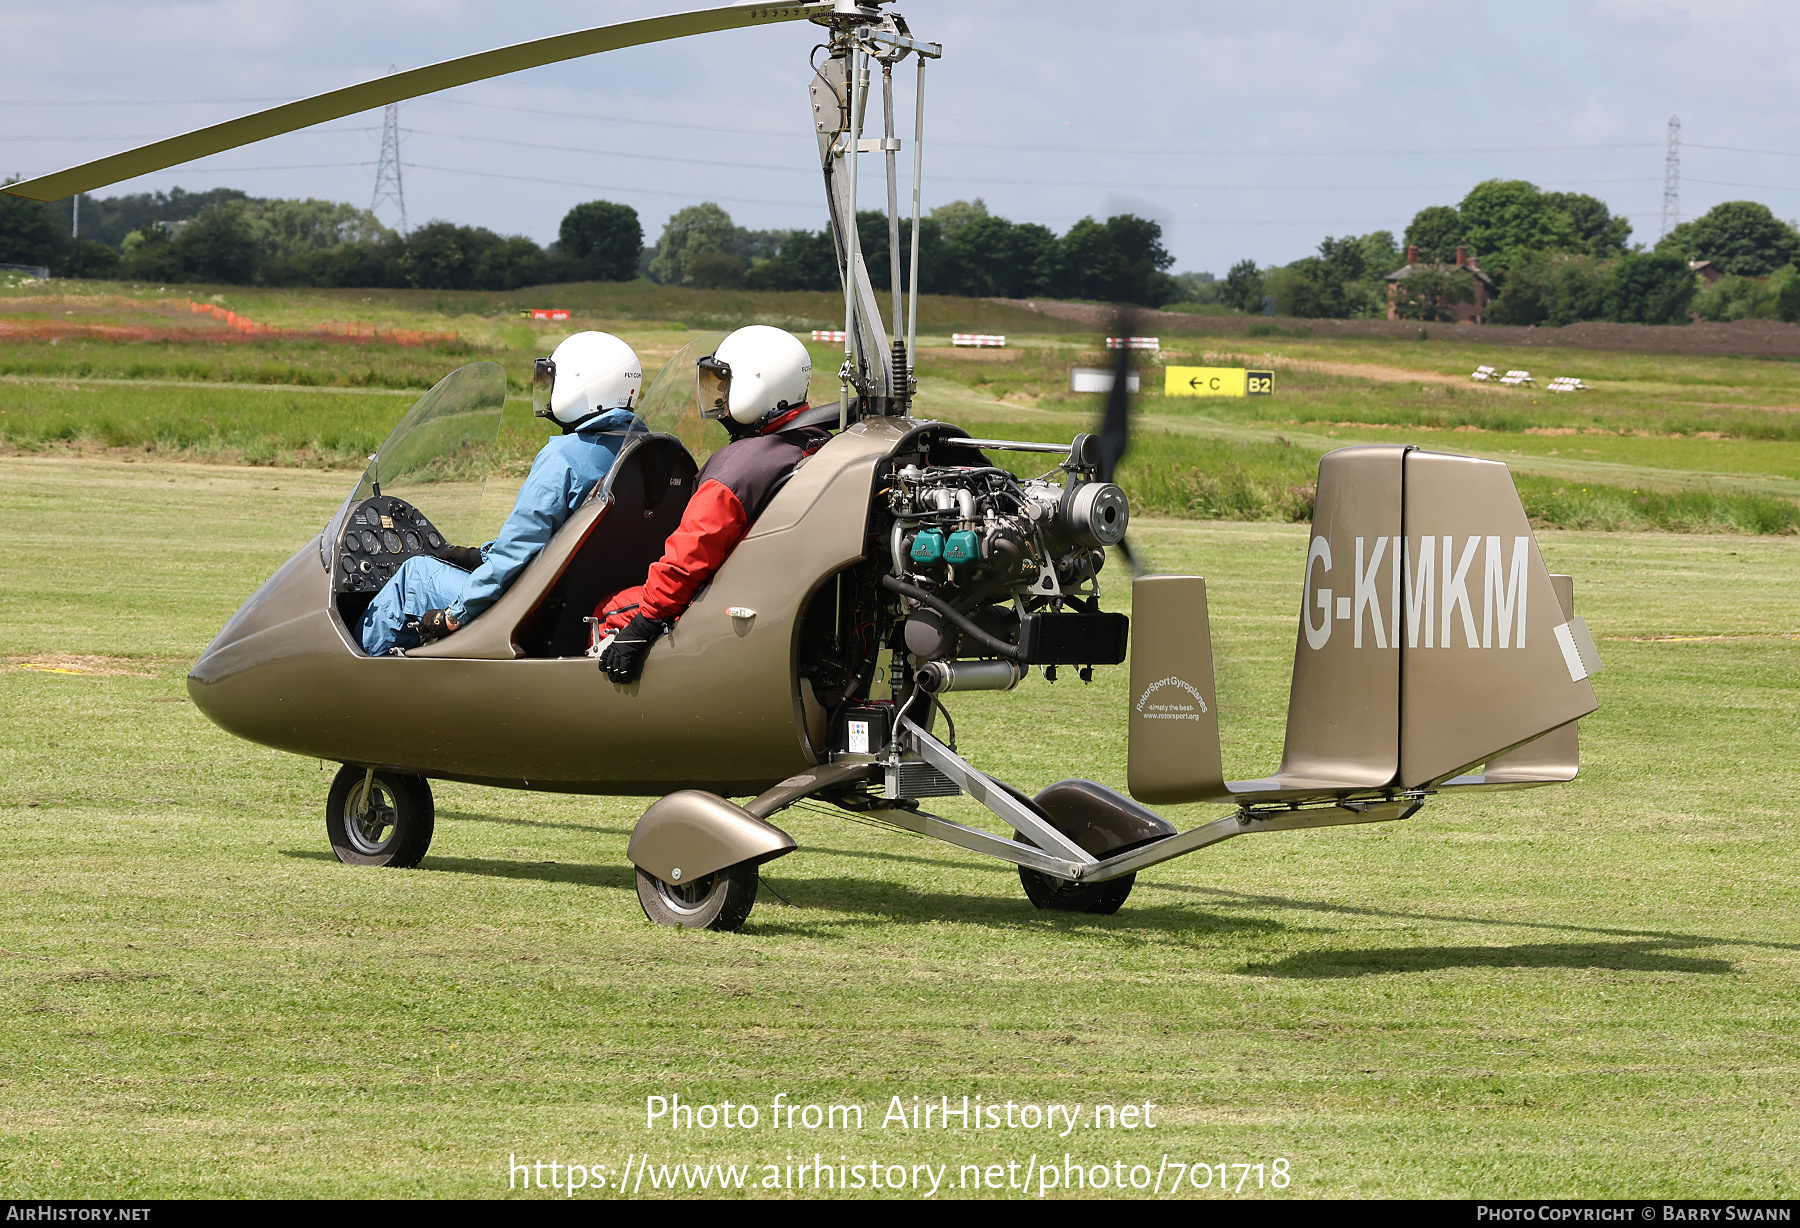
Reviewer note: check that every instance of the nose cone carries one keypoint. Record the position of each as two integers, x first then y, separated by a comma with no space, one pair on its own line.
242,679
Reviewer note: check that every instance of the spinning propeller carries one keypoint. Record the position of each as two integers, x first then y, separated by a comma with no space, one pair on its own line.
1115,418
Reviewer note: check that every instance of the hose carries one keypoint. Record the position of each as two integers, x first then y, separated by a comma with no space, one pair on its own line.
993,644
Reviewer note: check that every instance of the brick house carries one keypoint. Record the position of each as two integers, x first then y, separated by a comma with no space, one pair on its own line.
1463,313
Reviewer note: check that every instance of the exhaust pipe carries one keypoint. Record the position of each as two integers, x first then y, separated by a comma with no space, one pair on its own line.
937,677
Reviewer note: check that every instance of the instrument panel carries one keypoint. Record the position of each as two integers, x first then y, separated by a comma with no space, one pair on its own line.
380,534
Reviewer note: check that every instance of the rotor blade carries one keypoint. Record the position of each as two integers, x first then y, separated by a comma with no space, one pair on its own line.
397,87
1115,419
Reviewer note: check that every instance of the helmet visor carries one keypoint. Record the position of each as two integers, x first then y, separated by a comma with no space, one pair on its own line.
715,388
543,382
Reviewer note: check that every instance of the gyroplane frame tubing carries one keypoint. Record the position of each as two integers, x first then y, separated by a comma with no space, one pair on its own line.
997,798
912,279
1076,863
853,79
978,841
889,150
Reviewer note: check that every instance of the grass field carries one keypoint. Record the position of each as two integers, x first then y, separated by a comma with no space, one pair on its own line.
1698,443
1591,990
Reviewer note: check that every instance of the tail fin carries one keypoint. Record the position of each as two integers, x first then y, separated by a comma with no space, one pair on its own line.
1431,639
1497,672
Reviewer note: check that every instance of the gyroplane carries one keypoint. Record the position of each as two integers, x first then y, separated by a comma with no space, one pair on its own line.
901,564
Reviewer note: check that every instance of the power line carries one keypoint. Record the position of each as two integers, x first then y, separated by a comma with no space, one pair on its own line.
128,102
605,187
1763,187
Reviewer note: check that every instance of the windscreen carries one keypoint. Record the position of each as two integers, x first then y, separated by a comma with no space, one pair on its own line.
671,405
439,457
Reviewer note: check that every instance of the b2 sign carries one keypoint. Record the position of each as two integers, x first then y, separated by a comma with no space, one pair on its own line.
1217,382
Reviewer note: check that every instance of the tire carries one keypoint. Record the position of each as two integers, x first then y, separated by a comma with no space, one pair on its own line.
396,831
1061,895
720,901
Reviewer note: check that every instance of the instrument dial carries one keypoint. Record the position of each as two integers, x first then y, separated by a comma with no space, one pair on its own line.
412,543
391,540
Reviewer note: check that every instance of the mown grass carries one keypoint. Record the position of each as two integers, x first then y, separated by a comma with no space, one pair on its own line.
1586,991
1676,443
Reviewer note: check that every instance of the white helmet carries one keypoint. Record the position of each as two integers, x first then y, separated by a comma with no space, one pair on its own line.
757,372
587,375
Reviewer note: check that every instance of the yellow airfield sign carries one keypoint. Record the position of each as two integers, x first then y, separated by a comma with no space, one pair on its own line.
1217,382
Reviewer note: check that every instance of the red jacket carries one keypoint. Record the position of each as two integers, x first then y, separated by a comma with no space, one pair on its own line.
733,486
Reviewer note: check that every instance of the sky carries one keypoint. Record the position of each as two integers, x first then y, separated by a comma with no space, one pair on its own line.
1248,131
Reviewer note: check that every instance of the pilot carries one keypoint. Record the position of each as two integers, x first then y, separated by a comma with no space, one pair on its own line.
589,387
755,386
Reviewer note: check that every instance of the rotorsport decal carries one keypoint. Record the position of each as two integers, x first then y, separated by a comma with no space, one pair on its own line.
1170,711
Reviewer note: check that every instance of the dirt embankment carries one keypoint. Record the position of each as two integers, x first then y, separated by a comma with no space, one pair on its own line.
1752,338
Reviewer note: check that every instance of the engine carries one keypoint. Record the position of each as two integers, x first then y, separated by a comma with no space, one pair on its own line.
998,573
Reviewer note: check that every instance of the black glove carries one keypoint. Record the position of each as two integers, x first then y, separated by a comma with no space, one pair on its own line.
623,659
466,557
433,625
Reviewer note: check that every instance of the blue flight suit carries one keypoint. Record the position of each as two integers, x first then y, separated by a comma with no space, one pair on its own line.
565,470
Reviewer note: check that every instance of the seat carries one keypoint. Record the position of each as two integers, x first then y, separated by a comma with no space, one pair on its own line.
651,484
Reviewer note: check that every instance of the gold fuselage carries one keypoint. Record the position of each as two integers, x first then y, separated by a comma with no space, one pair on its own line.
720,706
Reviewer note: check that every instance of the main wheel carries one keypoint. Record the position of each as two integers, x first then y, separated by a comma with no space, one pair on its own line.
1060,895
720,901
379,819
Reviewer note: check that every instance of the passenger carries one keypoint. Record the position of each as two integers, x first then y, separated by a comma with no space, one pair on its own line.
755,385
590,385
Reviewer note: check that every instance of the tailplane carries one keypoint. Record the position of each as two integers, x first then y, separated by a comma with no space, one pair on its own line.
1432,639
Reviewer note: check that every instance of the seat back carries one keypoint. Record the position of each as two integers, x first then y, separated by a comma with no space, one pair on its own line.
650,487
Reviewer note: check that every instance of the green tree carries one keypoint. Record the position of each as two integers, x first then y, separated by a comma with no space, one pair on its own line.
28,232
803,260
601,240
149,255
1787,294
221,244
290,228
1341,282
444,256
509,264
1120,260
1596,230
957,214
1504,218
1553,288
990,257
1380,254
86,258
1435,230
698,228
1740,236
1243,287
1650,288
1738,298
716,271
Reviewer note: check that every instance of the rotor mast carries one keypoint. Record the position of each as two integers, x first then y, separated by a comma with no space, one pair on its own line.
877,376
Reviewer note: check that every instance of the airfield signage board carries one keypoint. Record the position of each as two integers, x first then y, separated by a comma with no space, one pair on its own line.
1217,382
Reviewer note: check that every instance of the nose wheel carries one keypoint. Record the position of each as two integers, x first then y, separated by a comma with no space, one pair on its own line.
378,818
720,901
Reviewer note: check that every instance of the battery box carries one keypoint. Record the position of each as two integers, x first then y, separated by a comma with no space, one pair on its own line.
863,729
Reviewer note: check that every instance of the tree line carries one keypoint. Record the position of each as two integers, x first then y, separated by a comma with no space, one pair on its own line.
226,236
1553,258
